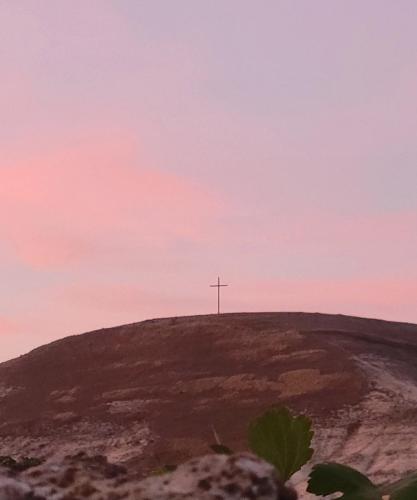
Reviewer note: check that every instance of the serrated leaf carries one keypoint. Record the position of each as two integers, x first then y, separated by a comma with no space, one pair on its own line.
405,489
329,478
399,486
282,440
221,449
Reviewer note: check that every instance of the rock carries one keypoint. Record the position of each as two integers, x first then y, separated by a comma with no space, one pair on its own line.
13,489
211,477
75,477
220,477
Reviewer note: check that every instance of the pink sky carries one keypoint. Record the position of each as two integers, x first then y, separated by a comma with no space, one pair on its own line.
148,146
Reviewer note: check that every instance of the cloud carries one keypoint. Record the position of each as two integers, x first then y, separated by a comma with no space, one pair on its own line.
76,202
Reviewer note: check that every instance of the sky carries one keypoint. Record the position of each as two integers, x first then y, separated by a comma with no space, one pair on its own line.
148,146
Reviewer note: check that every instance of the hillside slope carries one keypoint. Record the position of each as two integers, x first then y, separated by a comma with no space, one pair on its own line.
151,393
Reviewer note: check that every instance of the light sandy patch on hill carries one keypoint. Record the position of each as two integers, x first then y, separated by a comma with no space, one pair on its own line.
65,396
7,391
118,394
262,345
126,406
66,416
304,381
198,385
310,355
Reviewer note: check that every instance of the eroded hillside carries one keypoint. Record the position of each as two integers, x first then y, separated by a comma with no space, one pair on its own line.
152,392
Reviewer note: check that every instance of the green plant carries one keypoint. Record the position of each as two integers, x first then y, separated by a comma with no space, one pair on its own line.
284,441
331,478
405,489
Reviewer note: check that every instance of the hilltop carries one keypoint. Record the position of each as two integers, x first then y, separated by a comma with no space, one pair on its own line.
151,393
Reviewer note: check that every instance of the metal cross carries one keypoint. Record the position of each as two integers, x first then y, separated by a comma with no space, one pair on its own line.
218,293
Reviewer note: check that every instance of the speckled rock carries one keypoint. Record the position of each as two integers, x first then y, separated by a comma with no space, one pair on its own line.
13,489
217,477
75,477
212,477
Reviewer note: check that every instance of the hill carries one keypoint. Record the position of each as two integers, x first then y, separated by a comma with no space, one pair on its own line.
151,393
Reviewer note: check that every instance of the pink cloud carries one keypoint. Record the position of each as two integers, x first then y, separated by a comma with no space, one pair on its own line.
64,206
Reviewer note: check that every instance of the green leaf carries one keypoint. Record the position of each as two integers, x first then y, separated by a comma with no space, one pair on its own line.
334,478
282,440
390,488
221,449
405,489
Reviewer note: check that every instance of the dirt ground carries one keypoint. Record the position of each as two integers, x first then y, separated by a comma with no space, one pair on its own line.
153,393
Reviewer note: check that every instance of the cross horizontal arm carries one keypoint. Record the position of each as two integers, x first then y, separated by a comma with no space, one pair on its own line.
218,285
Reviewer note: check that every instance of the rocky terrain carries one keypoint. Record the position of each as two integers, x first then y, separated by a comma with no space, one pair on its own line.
156,392
211,477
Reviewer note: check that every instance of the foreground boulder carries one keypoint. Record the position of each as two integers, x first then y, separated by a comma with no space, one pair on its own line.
75,477
219,477
240,476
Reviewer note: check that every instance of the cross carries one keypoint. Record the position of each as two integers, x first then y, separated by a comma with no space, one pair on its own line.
218,293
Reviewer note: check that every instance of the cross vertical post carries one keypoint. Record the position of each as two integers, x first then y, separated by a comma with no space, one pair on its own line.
218,293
